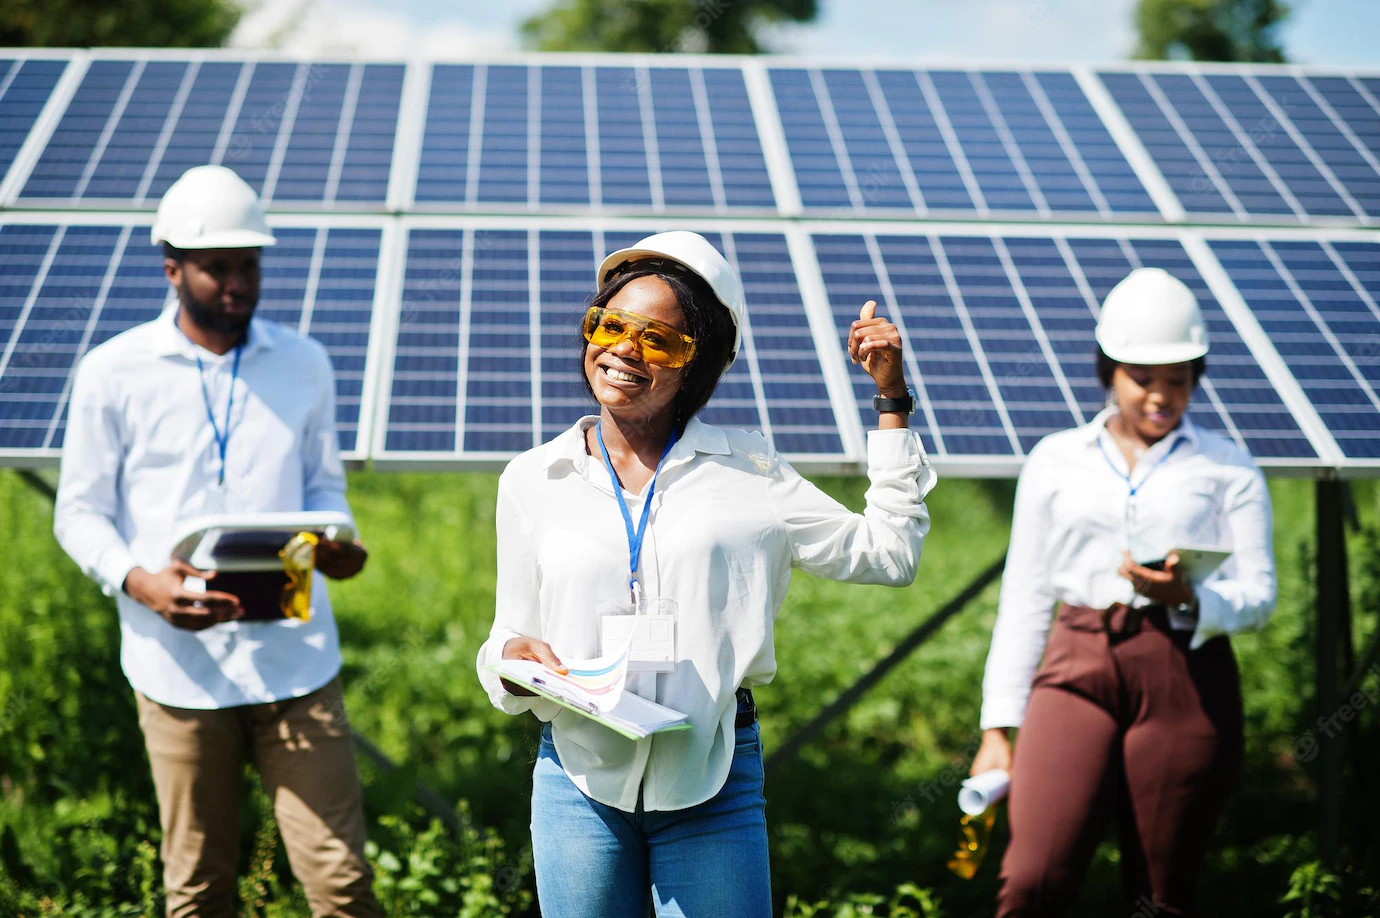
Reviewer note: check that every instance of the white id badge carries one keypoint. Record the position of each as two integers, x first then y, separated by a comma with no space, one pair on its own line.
216,500
653,630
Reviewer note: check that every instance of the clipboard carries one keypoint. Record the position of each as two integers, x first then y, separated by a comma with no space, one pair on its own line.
242,548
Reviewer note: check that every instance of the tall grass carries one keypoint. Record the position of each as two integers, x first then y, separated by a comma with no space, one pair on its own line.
865,809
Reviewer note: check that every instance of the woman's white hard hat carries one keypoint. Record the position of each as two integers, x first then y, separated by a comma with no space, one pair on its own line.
693,252
210,207
1151,318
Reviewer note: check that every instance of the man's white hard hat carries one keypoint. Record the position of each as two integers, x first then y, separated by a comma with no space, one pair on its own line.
693,252
210,207
1151,318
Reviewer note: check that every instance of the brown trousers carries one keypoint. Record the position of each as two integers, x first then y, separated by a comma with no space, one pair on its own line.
1133,723
305,757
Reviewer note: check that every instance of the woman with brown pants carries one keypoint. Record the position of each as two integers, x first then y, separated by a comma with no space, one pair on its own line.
1136,710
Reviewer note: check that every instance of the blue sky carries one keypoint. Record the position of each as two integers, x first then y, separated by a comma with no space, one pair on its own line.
1337,32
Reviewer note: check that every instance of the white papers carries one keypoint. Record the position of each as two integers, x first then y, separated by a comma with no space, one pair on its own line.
595,688
981,792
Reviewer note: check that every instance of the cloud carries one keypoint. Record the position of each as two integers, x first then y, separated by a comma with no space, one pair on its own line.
323,28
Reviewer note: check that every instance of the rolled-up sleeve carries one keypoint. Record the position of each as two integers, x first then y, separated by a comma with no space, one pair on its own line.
517,602
1243,596
88,484
1026,605
880,545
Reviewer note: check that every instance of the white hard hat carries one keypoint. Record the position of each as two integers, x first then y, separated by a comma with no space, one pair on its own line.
1151,318
694,252
210,207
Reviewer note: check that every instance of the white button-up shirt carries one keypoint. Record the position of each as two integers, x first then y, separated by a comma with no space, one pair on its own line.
140,459
729,521
1076,513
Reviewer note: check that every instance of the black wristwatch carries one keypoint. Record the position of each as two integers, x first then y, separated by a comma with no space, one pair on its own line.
905,405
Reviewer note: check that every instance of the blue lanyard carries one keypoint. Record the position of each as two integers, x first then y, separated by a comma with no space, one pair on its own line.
635,536
1132,489
222,437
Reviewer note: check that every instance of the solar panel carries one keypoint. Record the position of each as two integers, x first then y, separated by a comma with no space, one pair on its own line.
550,137
1000,332
1317,301
1015,143
26,83
314,134
486,358
70,286
1258,143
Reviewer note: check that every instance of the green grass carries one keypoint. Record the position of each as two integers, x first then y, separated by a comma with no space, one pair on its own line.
866,807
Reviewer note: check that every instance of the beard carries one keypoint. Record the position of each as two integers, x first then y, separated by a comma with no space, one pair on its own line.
210,316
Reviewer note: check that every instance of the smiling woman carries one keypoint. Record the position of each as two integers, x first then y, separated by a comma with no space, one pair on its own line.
678,819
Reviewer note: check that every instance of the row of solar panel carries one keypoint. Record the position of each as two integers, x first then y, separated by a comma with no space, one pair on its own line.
474,347
1243,144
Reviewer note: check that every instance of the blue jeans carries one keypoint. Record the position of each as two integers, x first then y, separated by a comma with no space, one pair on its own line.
706,861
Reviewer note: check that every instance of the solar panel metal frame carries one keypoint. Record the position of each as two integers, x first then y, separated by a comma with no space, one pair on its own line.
981,466
820,325
759,97
13,179
1170,202
1231,298
39,458
11,193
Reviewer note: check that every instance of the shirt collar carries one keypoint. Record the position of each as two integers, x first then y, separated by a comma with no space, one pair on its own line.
1186,430
170,341
699,437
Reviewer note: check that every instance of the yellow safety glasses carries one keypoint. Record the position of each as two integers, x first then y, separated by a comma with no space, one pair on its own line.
299,560
657,342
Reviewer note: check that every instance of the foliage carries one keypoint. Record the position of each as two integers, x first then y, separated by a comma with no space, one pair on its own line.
716,26
100,23
1211,30
861,823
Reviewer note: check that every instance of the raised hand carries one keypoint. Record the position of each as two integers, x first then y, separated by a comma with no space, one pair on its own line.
876,344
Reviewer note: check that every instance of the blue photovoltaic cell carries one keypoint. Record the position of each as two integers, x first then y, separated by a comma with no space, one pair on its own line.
25,85
1317,302
779,367
955,327
498,377
1258,143
103,280
320,133
952,141
656,138
422,403
566,259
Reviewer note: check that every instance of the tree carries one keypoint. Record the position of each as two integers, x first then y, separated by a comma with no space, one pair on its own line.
1211,30
716,26
125,23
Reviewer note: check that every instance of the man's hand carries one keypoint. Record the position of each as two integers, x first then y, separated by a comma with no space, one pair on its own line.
1167,587
529,648
163,593
341,560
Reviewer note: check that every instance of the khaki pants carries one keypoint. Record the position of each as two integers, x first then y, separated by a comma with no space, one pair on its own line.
305,757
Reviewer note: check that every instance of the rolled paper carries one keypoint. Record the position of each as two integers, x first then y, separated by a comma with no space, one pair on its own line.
981,792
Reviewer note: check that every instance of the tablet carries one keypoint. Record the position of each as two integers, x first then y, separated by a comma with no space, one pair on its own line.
1198,561
251,541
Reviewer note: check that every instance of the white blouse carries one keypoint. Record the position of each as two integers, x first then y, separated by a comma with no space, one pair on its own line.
1078,507
730,519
